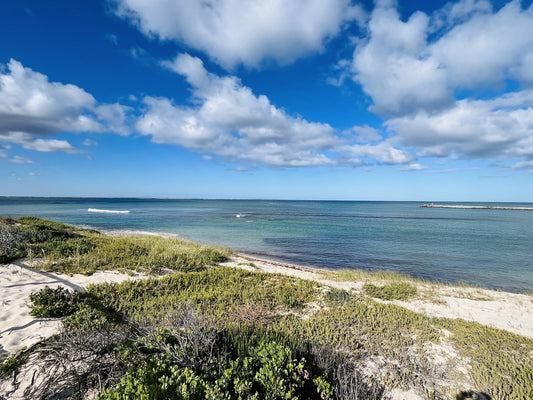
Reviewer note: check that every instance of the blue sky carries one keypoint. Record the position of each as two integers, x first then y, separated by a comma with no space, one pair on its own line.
315,99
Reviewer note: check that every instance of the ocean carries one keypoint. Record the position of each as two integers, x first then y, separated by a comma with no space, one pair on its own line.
490,248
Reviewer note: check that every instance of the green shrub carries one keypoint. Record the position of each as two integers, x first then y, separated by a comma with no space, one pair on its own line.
219,293
90,318
269,371
45,224
392,291
155,380
501,362
60,248
53,303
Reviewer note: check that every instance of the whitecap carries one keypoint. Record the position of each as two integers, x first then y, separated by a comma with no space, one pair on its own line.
108,211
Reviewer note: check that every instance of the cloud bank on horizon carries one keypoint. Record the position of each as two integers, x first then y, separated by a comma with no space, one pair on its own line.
453,83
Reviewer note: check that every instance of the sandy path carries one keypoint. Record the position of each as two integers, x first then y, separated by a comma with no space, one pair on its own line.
17,281
509,311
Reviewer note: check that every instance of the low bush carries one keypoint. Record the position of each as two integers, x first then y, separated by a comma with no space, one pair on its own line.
53,303
269,371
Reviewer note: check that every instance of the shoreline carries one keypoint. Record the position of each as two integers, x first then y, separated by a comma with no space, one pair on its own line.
264,257
509,311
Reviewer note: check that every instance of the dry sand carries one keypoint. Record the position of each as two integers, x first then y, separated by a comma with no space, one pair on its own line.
17,281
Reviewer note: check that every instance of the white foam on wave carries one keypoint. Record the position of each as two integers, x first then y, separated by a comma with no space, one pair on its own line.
108,211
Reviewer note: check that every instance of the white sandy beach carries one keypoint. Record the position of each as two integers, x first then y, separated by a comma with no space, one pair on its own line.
17,281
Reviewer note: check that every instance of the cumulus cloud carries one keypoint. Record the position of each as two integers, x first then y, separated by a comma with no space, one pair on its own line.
408,66
383,152
30,103
235,32
364,134
496,128
32,107
413,70
230,121
455,13
32,142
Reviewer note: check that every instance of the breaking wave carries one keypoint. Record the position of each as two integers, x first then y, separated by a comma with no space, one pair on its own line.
108,211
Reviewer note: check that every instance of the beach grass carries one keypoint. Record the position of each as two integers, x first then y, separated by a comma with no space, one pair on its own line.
67,249
391,291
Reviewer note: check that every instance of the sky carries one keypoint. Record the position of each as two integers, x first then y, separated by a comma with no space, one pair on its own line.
267,99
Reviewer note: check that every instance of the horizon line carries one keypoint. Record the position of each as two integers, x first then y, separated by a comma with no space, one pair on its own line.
252,199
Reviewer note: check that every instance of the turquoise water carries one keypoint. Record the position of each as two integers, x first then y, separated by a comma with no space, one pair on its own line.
492,248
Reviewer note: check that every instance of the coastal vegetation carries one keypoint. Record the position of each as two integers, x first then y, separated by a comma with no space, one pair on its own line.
68,249
214,332
391,291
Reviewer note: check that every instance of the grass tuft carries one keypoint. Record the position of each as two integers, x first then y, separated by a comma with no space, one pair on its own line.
391,291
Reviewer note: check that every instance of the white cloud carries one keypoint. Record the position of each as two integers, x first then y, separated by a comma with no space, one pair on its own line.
413,69
405,67
364,134
455,13
231,122
90,142
31,142
524,165
30,103
383,152
116,116
413,167
235,32
32,107
21,160
497,128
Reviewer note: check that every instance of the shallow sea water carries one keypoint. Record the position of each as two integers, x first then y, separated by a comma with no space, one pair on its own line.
492,248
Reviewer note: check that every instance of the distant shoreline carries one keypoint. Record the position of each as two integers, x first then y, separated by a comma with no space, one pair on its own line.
464,207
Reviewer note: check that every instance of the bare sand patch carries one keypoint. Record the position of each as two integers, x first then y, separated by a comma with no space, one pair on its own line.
17,281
